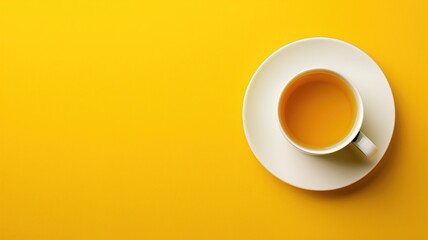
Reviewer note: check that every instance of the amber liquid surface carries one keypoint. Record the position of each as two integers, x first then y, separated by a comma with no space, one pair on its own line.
317,110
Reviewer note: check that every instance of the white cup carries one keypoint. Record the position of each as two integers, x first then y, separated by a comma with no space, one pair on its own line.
355,136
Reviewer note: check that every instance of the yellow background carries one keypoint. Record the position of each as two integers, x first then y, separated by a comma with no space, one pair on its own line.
122,120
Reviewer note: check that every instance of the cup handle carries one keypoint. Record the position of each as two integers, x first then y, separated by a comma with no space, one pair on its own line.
365,145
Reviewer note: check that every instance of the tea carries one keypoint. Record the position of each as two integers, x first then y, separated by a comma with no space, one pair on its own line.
317,109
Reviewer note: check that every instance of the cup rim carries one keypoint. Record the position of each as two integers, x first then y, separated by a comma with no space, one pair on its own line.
346,140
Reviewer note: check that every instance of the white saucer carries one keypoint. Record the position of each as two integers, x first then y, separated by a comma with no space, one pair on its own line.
276,154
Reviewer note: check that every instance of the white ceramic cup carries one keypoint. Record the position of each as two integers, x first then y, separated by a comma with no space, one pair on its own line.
355,136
